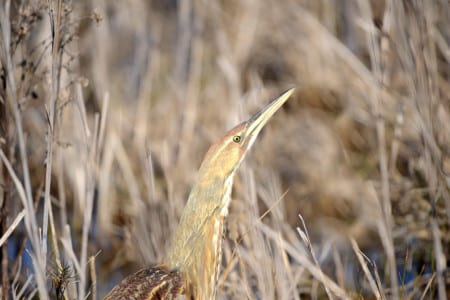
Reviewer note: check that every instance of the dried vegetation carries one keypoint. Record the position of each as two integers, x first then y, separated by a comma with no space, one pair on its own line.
106,108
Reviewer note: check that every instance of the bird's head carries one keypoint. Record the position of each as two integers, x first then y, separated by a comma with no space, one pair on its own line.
226,154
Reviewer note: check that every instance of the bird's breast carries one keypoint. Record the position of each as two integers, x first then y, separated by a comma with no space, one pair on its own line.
217,248
227,197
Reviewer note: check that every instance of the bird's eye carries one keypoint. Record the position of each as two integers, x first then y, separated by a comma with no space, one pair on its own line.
236,138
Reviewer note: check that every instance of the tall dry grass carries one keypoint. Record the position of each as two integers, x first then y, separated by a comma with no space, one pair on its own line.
107,107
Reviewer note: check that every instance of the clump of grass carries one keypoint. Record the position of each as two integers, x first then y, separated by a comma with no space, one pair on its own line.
61,278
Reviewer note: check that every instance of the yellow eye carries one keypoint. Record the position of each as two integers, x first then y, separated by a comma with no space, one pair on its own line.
236,138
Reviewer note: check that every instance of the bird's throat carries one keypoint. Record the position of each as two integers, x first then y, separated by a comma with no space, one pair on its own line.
197,242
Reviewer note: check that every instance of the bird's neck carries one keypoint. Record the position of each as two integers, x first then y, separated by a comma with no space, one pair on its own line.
196,244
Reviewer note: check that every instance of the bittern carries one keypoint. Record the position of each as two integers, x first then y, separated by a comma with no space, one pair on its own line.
191,265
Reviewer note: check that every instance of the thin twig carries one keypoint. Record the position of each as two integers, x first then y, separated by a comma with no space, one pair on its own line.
303,232
361,258
93,276
55,26
11,227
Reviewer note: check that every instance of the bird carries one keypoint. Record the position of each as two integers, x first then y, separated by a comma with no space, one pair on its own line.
191,265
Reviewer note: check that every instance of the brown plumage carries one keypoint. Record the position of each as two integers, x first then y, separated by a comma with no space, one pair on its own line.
192,263
149,284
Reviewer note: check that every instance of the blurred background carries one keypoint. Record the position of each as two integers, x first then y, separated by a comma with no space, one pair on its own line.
107,108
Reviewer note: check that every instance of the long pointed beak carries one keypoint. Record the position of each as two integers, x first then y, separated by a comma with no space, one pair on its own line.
258,120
